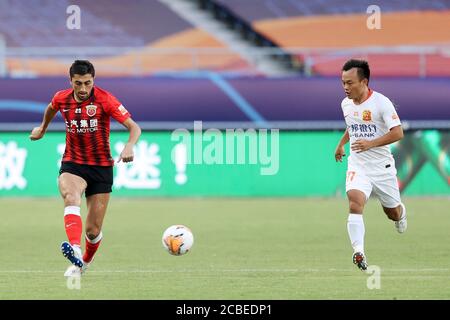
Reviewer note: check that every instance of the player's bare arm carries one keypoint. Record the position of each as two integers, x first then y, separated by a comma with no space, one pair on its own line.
38,132
340,151
127,154
395,134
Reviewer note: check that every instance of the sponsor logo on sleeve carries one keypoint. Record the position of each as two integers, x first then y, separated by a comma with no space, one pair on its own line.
122,110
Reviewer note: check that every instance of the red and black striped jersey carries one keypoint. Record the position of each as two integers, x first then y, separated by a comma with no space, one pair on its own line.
87,125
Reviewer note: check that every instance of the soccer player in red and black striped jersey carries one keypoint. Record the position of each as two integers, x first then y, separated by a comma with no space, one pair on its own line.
87,164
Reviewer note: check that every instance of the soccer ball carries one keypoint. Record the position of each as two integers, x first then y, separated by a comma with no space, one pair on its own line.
178,240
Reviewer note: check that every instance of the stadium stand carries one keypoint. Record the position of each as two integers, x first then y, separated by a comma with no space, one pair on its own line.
146,37
256,10
140,38
104,23
328,32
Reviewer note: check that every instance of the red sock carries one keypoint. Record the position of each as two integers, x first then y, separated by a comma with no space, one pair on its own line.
73,224
91,247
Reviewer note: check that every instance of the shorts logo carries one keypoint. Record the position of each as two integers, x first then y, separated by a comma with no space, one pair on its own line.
367,115
91,110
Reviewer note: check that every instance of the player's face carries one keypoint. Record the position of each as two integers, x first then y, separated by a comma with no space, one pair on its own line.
82,86
353,86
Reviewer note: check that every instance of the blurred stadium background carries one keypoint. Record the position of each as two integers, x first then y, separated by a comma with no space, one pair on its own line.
232,64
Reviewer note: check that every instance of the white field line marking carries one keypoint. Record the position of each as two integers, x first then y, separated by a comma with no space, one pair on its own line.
229,270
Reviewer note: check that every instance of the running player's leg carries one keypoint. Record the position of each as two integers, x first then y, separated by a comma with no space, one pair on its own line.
394,213
387,190
71,187
96,205
97,198
358,189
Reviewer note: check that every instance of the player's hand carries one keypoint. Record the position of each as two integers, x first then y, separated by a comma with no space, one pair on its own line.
361,145
127,154
37,133
339,153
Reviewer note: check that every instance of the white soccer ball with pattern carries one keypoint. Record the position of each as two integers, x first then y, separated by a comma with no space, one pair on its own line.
178,240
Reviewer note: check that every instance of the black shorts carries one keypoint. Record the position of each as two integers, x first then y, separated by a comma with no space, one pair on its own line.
99,178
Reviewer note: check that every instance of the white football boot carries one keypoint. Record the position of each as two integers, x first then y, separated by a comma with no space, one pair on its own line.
75,256
72,253
72,271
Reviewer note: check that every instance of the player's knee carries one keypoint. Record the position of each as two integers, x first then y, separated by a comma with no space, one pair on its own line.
356,207
92,232
71,198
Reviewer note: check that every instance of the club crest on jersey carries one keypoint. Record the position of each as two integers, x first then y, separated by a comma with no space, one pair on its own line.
367,115
91,110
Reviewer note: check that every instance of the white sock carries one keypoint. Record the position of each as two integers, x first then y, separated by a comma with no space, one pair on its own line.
355,228
403,211
77,250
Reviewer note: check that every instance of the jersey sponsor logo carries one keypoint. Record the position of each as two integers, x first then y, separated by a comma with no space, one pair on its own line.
82,126
122,110
367,115
362,130
91,110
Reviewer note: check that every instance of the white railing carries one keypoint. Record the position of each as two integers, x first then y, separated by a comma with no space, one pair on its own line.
313,57
133,61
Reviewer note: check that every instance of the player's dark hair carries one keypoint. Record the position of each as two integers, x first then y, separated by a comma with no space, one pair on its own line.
362,67
82,67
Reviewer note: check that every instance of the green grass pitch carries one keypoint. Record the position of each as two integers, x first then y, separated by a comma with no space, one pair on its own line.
257,248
